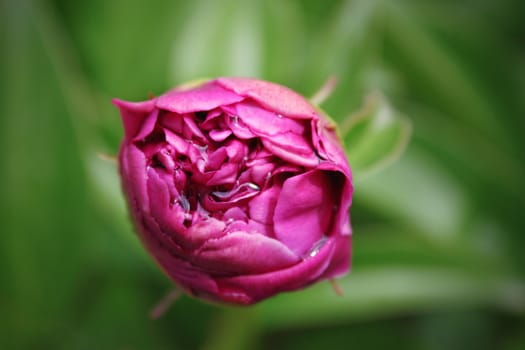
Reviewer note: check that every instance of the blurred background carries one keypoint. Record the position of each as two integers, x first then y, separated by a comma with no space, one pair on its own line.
438,236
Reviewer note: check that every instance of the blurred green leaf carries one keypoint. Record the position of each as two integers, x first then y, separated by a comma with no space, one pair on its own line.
218,38
374,137
418,193
388,291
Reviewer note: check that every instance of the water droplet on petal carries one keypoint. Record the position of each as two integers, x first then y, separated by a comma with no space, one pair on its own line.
203,150
202,211
280,116
251,186
236,190
183,202
316,248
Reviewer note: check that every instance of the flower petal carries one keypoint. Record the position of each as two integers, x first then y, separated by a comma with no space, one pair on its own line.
292,148
202,98
249,289
133,115
241,253
304,210
132,170
340,260
263,122
272,96
262,207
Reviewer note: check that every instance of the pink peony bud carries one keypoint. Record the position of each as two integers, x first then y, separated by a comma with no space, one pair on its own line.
239,188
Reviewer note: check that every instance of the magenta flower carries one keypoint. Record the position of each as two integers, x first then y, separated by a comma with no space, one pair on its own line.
239,188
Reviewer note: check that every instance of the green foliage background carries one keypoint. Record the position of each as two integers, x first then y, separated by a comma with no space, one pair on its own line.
438,236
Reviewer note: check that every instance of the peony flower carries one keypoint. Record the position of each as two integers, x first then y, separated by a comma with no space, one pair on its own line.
239,188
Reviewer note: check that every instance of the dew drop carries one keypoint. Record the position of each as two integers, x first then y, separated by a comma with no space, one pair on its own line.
184,202
228,194
316,248
202,211
203,150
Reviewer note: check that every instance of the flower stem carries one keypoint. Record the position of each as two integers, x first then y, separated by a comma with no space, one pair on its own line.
325,90
164,304
336,287
107,157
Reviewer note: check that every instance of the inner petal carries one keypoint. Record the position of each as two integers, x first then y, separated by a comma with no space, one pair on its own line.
304,210
262,121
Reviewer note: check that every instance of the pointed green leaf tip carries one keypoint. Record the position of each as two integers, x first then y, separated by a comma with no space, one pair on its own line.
374,137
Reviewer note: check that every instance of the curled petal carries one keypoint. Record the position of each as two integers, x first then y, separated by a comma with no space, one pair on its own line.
292,148
203,98
304,209
250,288
245,253
219,135
339,262
205,230
272,96
266,123
262,207
133,115
147,126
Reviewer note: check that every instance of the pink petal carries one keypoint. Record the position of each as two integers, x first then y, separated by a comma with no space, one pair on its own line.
237,125
168,218
236,150
304,210
225,175
240,252
326,141
292,148
262,207
180,145
219,135
258,173
251,288
193,128
342,185
340,260
206,229
272,96
202,98
133,115
187,277
173,121
234,213
147,126
263,122
217,158
133,174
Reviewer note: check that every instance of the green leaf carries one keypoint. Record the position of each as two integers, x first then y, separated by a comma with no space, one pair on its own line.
218,38
388,291
375,137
